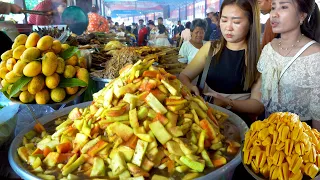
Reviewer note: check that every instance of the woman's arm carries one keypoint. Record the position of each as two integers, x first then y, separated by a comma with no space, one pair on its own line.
195,68
251,106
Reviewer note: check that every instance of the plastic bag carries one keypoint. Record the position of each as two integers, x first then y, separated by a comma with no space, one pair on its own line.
24,117
7,121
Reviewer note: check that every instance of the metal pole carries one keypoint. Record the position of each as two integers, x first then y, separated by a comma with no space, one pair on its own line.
194,9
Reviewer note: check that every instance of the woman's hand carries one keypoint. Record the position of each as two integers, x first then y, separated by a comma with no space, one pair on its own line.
15,9
220,100
195,90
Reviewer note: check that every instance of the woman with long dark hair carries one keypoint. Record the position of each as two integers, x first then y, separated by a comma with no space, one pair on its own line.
290,65
229,66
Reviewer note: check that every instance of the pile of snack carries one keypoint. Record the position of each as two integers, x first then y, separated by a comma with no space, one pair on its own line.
34,69
143,124
166,57
282,147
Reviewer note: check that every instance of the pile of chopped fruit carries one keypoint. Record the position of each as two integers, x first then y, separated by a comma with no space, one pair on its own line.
143,124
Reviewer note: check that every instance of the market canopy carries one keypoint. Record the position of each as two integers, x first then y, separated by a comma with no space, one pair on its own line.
138,7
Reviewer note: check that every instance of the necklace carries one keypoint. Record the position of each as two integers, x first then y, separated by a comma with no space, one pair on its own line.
292,46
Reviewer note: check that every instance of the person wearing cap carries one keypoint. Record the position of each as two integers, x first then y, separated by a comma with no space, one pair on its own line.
97,23
268,35
213,31
55,6
143,34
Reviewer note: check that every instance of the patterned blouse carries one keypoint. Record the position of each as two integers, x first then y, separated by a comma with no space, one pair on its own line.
299,88
97,23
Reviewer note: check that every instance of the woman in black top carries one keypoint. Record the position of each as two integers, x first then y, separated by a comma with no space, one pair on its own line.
232,71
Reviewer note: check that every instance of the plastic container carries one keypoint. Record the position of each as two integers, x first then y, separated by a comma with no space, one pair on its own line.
224,172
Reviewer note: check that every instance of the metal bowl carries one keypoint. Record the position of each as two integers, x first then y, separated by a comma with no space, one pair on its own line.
17,164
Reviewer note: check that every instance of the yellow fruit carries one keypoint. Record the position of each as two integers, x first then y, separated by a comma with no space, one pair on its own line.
72,90
42,97
49,64
56,46
4,83
83,75
11,77
3,72
82,62
9,91
14,46
45,43
61,65
77,68
36,84
24,88
52,81
7,55
17,52
26,97
69,71
21,39
30,54
32,69
3,64
58,94
64,47
18,68
10,63
73,60
45,52
32,40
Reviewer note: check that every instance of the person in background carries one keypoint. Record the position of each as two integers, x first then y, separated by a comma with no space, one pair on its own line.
110,22
231,79
268,35
141,21
56,7
162,37
185,34
135,29
97,23
143,34
190,48
215,26
130,36
6,8
153,33
293,84
160,21
177,32
210,12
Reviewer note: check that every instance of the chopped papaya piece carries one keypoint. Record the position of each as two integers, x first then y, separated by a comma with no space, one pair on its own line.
64,147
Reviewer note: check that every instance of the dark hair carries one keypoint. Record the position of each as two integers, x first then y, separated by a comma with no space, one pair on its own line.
161,28
188,24
252,52
160,18
311,25
141,20
95,8
128,28
116,24
151,23
198,23
179,21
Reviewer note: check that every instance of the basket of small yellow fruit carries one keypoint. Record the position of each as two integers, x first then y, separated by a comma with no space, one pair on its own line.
42,70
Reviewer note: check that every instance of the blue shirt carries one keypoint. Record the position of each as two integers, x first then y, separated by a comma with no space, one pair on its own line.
216,33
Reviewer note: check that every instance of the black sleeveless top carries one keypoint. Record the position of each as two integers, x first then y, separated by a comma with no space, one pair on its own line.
227,76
